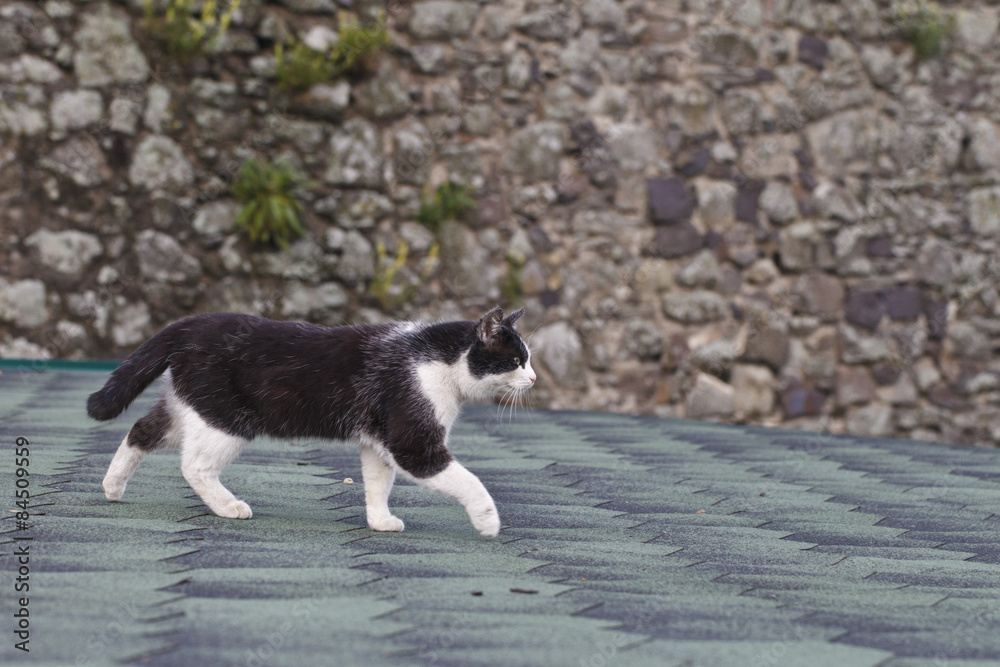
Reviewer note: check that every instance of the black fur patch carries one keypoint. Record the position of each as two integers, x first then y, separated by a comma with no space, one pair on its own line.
150,432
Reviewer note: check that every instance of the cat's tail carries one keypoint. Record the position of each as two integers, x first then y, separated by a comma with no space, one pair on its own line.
132,377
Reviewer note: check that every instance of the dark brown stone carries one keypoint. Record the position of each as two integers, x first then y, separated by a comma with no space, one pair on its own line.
801,401
696,164
864,308
767,345
903,303
676,241
670,201
746,201
936,313
885,374
943,396
812,51
880,246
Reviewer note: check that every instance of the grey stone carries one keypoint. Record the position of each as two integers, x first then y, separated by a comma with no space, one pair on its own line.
302,260
799,246
215,220
981,382
38,70
741,111
882,65
130,324
695,307
546,24
753,386
534,151
162,259
360,209
310,6
968,341
355,155
517,72
22,348
442,19
936,260
23,303
497,24
581,53
558,348
644,340
857,348
777,200
670,201
466,269
726,47
716,357
417,237
80,160
324,100
357,263
710,397
976,29
599,223
694,110
843,141
479,119
429,58
984,210
124,116
413,152
717,204
984,143
633,146
872,421
837,202
926,373
157,115
106,53
602,13
308,302
702,271
854,385
159,164
236,295
389,98
904,303
306,135
68,252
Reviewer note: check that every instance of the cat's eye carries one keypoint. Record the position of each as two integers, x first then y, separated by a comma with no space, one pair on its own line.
517,361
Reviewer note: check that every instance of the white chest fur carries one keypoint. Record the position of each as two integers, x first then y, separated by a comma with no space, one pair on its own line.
443,385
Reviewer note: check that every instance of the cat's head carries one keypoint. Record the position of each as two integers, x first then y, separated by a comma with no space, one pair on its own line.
499,360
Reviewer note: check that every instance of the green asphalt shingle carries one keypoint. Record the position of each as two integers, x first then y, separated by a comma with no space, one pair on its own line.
629,541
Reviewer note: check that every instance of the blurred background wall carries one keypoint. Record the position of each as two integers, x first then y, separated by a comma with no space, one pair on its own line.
781,212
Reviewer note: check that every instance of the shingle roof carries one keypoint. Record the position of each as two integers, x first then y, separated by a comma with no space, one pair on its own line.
626,541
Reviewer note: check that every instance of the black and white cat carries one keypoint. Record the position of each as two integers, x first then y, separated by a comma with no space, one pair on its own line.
395,389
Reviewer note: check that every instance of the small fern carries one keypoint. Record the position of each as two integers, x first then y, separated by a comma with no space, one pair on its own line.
924,25
271,210
450,201
185,36
511,287
299,67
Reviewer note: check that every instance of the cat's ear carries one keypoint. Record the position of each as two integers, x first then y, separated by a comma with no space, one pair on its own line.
512,318
489,326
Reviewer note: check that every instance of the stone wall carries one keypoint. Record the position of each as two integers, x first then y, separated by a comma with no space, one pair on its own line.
758,211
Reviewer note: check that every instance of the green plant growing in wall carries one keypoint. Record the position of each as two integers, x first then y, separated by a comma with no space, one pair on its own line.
271,209
450,201
382,285
185,33
924,25
299,67
511,285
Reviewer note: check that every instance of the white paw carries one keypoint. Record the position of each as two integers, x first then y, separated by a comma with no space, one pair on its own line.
237,509
486,521
112,491
388,523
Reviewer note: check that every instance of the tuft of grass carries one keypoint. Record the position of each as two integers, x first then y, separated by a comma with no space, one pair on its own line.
185,34
450,201
511,287
299,67
383,286
271,210
924,25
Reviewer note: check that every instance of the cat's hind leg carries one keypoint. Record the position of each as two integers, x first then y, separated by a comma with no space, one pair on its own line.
153,431
205,452
378,477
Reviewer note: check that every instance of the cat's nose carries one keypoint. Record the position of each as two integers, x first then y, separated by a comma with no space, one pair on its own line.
532,378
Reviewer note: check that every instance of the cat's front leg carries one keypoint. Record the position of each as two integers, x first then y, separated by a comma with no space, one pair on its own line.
457,482
378,477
